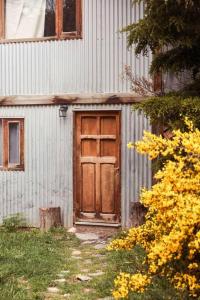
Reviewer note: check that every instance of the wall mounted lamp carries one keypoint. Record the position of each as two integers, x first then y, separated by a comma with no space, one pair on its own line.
63,111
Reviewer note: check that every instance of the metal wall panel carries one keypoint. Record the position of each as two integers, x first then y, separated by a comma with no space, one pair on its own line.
93,64
47,179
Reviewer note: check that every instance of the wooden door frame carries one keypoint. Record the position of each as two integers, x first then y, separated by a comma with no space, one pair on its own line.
74,112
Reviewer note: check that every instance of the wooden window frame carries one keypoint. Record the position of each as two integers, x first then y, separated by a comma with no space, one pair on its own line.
6,166
60,35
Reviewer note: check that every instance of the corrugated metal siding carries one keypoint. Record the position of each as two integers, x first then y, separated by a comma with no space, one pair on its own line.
47,179
136,169
92,65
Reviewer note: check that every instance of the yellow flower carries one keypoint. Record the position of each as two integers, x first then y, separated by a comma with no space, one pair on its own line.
130,145
171,232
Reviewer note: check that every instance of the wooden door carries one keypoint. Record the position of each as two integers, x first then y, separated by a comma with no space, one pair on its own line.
97,166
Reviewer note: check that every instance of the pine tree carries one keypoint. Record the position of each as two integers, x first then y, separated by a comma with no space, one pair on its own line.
171,30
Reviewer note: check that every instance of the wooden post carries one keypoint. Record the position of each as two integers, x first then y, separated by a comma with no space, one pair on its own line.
138,212
50,217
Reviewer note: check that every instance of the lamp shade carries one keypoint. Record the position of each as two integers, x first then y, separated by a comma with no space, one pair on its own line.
63,111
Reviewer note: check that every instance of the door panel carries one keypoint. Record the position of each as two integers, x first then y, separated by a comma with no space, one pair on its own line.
88,188
107,188
97,166
88,148
108,148
88,125
108,125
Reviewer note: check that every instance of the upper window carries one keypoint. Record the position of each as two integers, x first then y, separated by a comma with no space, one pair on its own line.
40,19
12,144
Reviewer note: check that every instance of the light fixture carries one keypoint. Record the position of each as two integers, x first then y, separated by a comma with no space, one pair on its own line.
63,111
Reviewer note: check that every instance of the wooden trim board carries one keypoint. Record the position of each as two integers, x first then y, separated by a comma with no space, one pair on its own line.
102,215
116,225
60,34
70,99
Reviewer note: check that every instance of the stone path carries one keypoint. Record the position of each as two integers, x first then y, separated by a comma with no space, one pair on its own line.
87,266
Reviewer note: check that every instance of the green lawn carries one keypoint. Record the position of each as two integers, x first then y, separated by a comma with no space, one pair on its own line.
31,261
131,262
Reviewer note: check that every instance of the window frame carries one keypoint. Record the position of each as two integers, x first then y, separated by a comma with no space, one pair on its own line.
6,166
60,35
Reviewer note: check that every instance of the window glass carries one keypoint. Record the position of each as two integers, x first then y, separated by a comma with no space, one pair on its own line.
29,18
50,19
1,144
14,143
33,19
69,15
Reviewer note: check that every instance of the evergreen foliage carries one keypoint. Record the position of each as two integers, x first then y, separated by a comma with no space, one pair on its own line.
170,110
172,26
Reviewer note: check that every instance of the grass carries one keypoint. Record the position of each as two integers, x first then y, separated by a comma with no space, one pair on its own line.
30,261
91,262
131,262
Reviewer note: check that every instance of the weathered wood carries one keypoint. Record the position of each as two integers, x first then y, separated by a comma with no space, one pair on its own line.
106,98
98,160
2,25
97,166
60,34
6,165
95,137
50,217
138,212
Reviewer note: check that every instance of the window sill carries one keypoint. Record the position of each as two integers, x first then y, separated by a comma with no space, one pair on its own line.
64,36
12,168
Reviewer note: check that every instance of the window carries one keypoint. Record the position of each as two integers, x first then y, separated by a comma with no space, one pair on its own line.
39,19
11,144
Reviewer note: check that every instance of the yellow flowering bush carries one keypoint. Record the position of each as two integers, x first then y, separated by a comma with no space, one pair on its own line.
171,232
127,282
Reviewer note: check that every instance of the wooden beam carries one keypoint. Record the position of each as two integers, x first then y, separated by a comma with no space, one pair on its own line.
70,99
98,137
98,160
2,27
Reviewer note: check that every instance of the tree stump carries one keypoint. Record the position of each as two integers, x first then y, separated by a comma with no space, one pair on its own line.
138,212
50,217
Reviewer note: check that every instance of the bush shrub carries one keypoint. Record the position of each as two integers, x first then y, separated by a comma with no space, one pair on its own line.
171,233
14,222
171,110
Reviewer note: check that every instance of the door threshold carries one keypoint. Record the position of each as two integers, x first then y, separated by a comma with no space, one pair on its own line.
98,224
